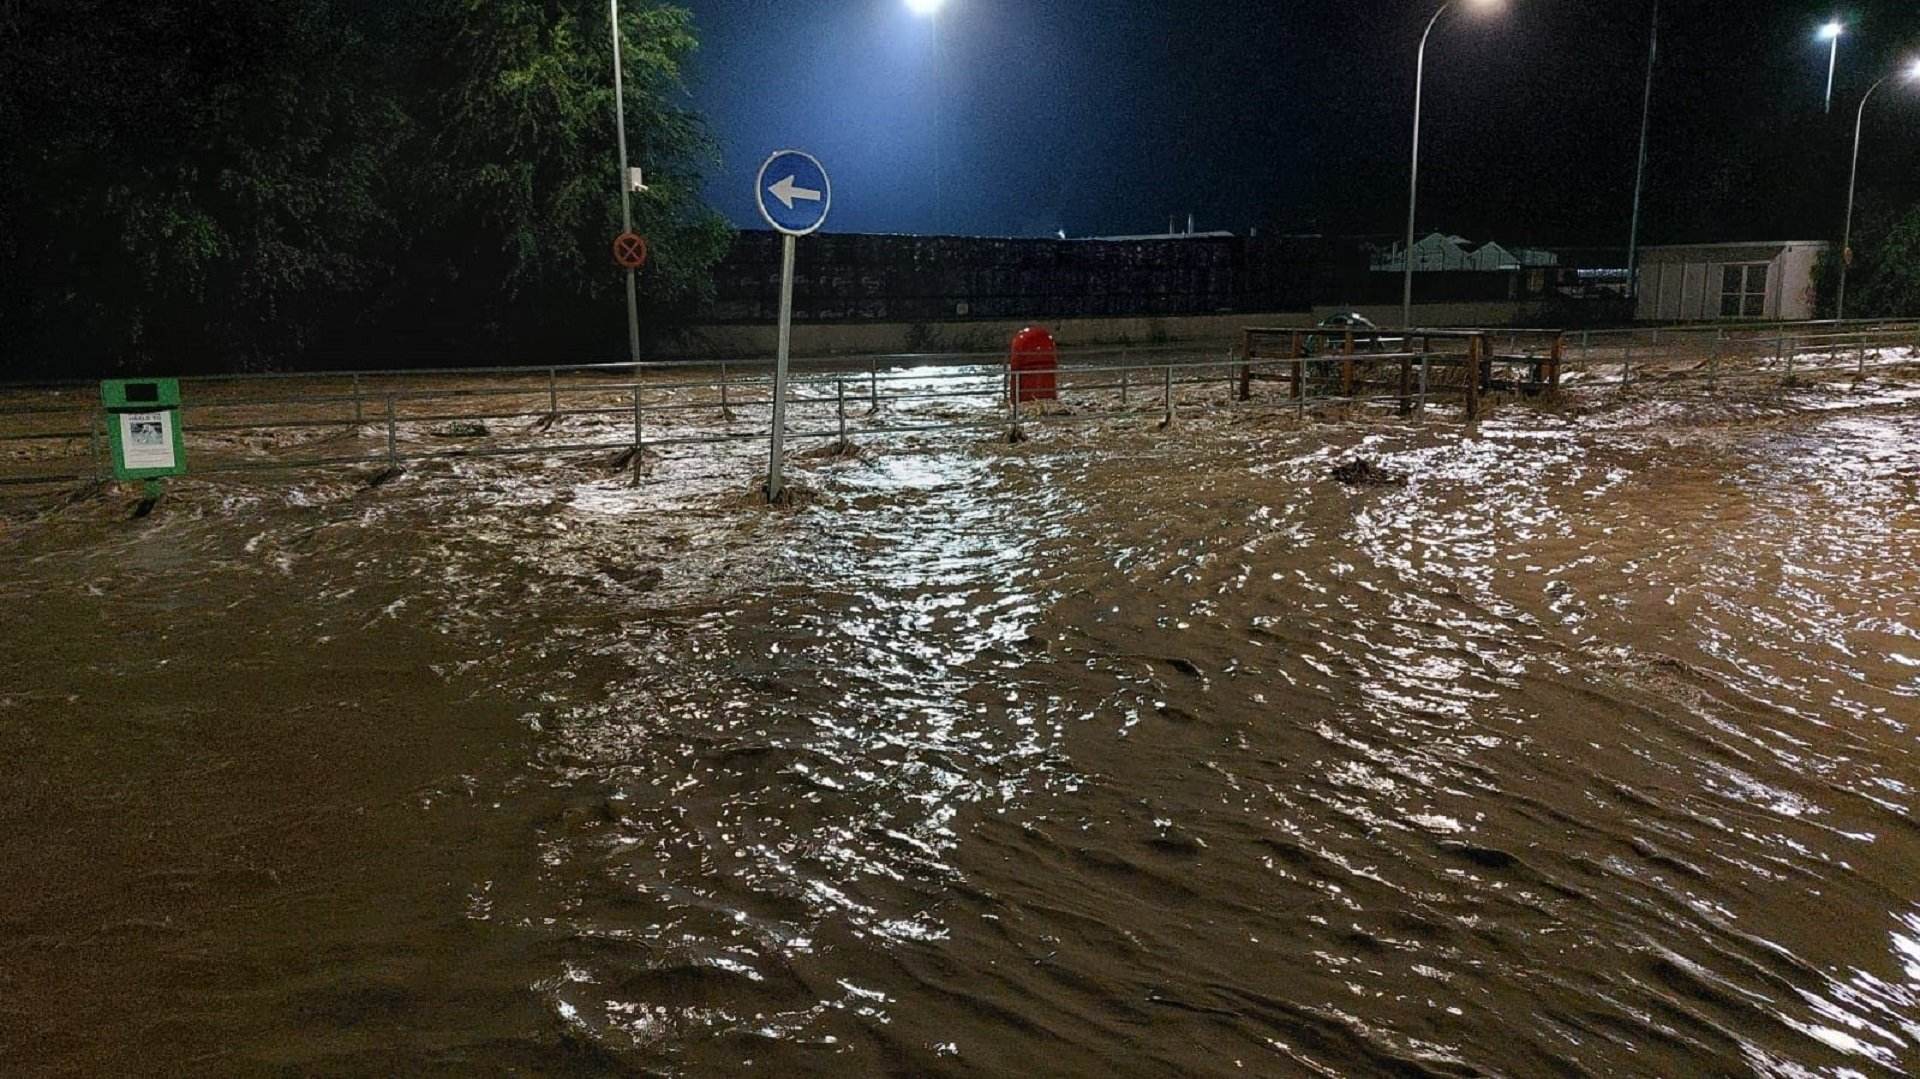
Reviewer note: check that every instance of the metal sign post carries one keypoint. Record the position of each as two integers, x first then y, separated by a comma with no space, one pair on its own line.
626,192
794,195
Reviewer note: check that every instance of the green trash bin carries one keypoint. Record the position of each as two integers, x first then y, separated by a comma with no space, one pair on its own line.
143,428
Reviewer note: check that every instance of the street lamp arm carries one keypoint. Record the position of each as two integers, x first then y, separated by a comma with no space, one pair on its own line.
1413,183
1431,23
1853,181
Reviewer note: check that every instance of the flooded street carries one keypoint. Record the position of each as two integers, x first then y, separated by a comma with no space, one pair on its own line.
1591,749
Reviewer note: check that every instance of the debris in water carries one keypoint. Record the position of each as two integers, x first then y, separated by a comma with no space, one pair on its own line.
792,496
461,429
641,578
1361,472
834,451
384,477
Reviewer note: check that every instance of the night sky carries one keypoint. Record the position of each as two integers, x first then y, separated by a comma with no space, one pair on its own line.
1107,117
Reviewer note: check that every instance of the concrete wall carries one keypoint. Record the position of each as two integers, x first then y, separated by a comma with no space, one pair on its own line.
1797,299
855,338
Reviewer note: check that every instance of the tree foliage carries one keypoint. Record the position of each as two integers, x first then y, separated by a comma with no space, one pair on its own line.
201,184
1884,280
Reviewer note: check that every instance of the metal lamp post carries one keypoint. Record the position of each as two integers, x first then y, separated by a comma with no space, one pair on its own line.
1832,32
1413,186
1853,179
626,185
1640,170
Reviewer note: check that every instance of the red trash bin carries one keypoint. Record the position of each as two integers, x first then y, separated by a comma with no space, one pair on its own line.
1032,366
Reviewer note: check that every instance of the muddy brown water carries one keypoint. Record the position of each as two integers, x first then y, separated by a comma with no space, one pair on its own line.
1589,750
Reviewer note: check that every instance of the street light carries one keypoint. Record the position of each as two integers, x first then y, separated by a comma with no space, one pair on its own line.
1832,32
1640,169
1413,185
1912,74
930,9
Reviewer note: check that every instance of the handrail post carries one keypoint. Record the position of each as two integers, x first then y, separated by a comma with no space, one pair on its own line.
840,395
393,436
553,394
1246,365
1168,395
1014,386
1476,349
726,408
1297,352
873,382
640,440
359,417
1123,380
1346,365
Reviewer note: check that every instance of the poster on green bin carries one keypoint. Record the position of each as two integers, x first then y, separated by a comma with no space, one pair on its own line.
143,428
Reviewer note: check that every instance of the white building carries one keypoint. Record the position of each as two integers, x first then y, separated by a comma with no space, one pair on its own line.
1436,252
1742,282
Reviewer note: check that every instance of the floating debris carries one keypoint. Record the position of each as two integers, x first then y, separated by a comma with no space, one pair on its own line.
461,429
834,451
1361,472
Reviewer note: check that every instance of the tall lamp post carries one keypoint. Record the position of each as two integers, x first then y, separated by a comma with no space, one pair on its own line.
1912,74
626,186
931,9
1413,184
1832,32
1640,171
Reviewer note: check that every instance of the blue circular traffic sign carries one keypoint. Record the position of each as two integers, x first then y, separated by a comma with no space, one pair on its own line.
793,192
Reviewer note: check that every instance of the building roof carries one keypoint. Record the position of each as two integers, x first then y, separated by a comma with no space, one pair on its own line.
1748,251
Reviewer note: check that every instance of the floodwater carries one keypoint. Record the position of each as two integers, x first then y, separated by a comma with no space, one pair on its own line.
1589,750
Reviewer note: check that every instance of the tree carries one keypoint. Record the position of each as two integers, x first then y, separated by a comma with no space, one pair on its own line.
517,180
1884,280
212,184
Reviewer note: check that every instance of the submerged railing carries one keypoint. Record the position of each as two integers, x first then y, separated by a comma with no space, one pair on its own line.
390,419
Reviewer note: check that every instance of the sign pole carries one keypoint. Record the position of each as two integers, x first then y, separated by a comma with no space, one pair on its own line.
626,196
775,458
794,196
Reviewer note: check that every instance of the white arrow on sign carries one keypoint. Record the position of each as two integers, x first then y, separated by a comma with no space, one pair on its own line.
787,191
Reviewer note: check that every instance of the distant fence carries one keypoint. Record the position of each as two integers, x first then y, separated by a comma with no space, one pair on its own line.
883,278
898,278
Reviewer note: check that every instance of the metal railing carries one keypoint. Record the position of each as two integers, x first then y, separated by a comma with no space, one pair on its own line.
396,418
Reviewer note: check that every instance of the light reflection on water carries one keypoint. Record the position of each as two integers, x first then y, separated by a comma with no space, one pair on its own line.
1589,749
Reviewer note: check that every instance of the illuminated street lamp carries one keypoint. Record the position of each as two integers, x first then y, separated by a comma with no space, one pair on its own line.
1832,32
1413,188
930,9
1912,75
